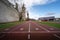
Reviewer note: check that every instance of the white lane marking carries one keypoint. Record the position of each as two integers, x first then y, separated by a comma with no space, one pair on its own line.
51,28
29,27
35,32
36,28
28,36
18,27
21,28
56,36
7,29
43,28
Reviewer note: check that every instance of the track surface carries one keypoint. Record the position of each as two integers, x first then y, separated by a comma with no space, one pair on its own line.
30,31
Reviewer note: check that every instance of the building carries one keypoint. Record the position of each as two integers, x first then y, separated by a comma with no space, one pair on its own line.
7,12
47,18
57,19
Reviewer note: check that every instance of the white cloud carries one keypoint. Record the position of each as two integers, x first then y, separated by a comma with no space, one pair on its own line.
34,15
30,3
50,13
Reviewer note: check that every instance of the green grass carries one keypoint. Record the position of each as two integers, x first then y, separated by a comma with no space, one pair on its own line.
8,25
51,24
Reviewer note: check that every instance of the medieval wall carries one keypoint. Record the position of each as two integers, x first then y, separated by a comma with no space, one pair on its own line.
7,13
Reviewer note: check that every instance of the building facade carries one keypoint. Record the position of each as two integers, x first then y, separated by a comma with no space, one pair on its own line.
47,18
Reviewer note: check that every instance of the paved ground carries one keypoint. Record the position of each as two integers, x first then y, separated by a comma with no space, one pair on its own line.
30,31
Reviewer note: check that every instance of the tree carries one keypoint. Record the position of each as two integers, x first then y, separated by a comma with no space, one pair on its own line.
16,7
22,13
23,8
20,16
27,16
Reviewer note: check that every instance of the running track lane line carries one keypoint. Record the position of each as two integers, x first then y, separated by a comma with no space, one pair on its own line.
29,31
48,31
42,28
28,36
17,27
56,36
29,28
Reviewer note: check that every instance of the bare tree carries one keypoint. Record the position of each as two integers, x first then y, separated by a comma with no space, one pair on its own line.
22,13
16,7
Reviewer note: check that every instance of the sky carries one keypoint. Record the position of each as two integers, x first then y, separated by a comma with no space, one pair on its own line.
41,8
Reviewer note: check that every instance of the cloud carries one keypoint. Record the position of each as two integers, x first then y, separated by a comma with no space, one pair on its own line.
33,15
50,14
30,3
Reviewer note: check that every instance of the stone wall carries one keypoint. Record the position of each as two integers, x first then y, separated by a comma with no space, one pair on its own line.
8,13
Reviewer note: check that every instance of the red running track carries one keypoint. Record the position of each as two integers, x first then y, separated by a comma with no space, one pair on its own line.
30,31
